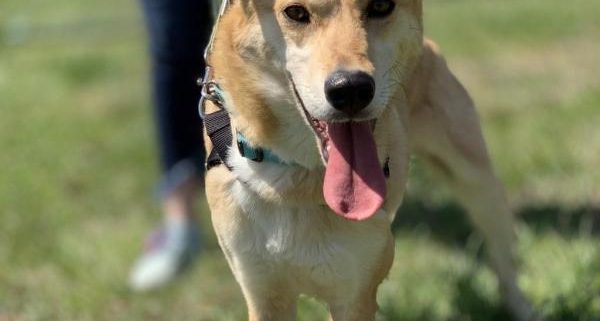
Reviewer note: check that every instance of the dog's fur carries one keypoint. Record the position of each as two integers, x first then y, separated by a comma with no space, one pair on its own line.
278,236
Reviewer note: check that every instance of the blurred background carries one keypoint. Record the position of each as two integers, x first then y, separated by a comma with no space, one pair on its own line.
78,166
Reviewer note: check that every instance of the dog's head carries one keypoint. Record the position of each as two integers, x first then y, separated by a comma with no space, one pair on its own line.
345,60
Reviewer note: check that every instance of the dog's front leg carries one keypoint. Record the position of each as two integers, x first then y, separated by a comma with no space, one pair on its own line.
268,294
445,130
363,306
271,307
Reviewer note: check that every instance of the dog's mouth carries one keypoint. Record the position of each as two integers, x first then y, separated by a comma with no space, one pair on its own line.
354,186
321,131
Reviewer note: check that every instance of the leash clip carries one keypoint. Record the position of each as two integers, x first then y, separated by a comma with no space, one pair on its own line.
210,91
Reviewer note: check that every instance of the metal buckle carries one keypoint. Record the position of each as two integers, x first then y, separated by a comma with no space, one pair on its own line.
208,92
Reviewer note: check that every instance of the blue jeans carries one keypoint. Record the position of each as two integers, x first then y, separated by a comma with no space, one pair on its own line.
178,32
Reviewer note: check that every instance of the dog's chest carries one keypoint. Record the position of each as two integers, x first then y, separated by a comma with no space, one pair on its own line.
279,233
309,246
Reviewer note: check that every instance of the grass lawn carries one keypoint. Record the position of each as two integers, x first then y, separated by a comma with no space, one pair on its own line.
78,166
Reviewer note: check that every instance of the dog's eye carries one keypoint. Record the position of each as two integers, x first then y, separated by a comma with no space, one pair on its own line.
297,13
380,8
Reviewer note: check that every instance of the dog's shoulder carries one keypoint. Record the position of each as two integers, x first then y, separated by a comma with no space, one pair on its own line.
431,60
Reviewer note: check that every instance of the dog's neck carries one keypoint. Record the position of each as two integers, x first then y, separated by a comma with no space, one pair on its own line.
258,93
261,107
299,175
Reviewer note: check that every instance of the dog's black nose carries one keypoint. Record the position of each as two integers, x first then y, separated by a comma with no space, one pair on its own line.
349,91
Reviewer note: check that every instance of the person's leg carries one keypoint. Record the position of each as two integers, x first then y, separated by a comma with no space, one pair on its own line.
178,32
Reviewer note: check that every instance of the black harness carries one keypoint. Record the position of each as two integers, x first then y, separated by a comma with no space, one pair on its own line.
218,129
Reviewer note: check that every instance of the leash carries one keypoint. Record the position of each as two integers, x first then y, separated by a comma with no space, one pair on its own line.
217,124
210,89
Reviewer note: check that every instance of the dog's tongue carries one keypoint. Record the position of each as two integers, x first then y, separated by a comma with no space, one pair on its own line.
354,186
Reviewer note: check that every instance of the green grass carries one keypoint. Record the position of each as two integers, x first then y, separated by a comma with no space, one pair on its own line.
77,169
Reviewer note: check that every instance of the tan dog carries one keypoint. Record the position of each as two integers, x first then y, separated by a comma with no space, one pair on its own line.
342,92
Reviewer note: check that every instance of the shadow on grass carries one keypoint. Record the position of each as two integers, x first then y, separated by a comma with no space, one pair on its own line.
468,302
449,223
472,305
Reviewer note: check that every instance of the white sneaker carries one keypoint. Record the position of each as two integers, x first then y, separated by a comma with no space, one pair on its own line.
168,252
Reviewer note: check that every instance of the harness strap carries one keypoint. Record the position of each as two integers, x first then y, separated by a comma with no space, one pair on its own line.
218,129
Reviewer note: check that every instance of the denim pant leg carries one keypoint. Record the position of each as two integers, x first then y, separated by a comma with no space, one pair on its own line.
178,32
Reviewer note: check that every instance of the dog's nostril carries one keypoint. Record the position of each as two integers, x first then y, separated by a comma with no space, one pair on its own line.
339,96
350,91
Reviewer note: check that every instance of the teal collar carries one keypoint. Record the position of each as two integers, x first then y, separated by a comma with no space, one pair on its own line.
256,154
